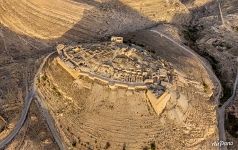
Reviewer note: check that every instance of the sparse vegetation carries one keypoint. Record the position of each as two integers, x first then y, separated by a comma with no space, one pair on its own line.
124,146
205,86
129,116
145,148
152,146
107,145
191,33
235,28
56,91
44,77
74,143
231,125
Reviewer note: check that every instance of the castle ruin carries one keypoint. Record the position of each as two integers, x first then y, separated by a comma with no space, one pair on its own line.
118,65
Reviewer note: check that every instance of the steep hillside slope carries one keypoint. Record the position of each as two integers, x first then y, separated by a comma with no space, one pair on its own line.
216,40
26,25
80,19
122,119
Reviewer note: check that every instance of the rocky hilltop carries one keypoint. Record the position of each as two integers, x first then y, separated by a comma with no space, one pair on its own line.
152,91
121,94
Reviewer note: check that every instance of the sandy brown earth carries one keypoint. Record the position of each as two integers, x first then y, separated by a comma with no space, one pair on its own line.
123,119
119,118
35,134
218,43
18,60
30,28
80,19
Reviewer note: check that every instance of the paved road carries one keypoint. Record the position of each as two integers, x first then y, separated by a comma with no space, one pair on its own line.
222,135
49,120
43,108
200,59
27,103
220,111
21,121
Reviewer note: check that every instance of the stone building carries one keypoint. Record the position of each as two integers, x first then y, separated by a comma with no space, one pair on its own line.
119,66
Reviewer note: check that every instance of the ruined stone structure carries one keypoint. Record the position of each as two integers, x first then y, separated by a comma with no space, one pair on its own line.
118,66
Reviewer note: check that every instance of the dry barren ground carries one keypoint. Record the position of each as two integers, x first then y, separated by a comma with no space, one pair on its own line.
218,43
30,27
35,134
79,19
18,63
101,118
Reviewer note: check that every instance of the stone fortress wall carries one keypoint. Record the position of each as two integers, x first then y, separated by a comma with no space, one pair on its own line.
111,84
158,94
131,77
158,103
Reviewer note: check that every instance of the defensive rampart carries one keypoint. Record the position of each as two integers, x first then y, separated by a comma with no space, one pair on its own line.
111,83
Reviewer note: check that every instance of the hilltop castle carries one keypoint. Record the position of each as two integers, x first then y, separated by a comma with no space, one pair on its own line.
117,65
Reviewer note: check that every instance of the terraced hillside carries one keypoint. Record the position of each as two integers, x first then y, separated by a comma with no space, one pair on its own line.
91,115
101,118
80,19
108,119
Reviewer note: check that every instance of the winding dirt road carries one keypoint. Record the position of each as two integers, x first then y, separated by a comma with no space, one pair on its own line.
27,103
200,59
33,92
21,121
221,110
221,113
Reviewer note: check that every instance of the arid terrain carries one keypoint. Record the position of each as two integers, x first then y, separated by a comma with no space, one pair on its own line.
61,86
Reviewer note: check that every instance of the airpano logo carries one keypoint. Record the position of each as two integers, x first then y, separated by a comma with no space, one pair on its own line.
221,143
